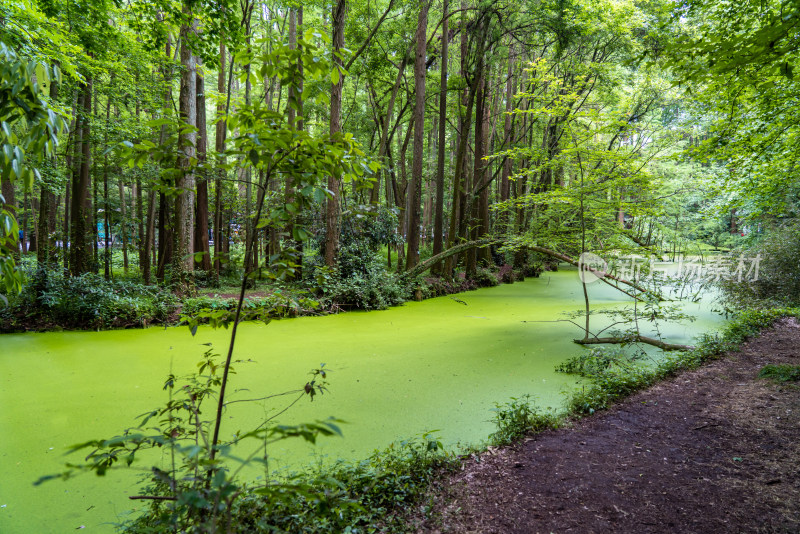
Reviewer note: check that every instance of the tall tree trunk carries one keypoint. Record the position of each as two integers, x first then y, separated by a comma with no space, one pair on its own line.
415,189
249,225
484,178
79,228
300,127
162,252
332,207
123,224
201,219
182,260
438,219
461,186
505,184
139,202
94,201
106,208
220,174
47,213
477,178
291,111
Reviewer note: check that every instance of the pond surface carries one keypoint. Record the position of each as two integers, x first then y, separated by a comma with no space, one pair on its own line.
438,365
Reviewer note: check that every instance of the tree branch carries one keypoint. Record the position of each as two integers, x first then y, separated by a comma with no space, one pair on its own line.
638,338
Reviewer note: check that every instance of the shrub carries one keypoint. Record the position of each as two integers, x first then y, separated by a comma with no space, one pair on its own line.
90,301
374,289
519,417
485,278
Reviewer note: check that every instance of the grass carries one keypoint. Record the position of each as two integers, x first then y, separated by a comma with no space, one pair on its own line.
780,373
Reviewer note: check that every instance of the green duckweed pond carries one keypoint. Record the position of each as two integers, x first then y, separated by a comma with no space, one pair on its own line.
439,365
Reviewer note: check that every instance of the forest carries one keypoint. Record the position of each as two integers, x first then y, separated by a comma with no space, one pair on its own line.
210,162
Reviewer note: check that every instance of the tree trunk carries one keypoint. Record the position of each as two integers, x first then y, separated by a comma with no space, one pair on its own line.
471,210
46,253
80,217
219,141
484,179
460,211
201,218
123,223
106,209
438,221
182,260
505,184
333,207
415,186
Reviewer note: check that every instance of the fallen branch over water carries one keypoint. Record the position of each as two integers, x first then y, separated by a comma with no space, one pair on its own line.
632,339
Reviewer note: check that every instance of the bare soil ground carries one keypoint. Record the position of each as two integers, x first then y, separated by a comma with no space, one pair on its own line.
713,450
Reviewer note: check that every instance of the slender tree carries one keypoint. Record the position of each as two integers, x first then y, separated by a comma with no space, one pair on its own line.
415,186
333,204
438,221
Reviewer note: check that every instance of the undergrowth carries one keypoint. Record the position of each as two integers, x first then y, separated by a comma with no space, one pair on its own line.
780,373
518,418
367,496
51,298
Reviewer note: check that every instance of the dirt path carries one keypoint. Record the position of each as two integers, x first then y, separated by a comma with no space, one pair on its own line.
713,450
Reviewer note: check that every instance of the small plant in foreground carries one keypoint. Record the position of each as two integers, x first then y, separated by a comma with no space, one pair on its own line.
519,417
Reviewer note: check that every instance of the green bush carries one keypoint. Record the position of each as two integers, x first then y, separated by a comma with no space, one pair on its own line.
519,417
360,280
361,497
485,278
90,301
374,290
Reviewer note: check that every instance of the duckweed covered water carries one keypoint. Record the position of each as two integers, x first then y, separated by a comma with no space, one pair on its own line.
438,365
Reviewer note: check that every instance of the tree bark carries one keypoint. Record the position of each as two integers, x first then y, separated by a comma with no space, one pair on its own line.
106,209
505,184
182,260
201,214
219,141
79,227
638,338
46,252
415,187
438,220
332,207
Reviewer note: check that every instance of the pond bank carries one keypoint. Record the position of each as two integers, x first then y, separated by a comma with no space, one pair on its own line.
711,450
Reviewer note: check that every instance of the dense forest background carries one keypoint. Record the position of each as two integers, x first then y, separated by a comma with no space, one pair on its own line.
183,142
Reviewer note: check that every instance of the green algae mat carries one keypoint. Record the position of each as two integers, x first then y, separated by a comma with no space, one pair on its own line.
438,365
